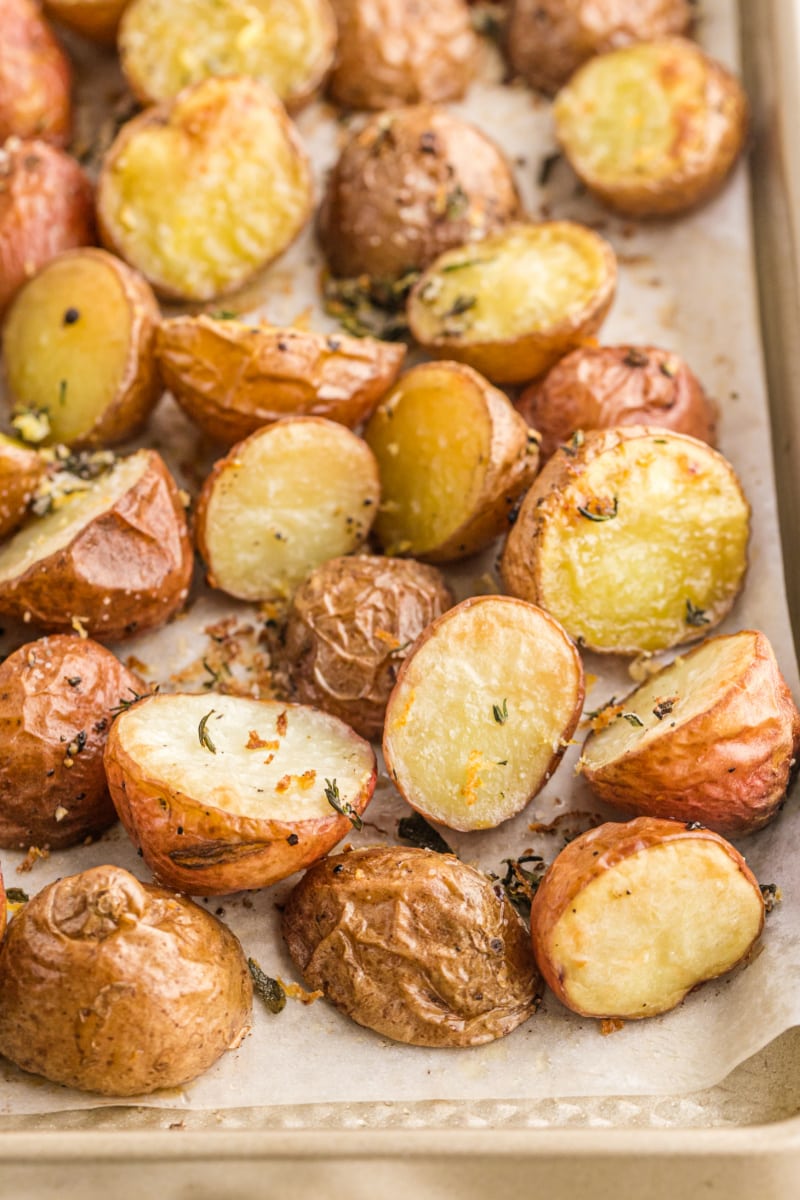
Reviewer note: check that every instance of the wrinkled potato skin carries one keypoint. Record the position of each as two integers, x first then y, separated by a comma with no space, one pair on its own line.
549,39
597,387
21,472
232,378
412,52
41,715
351,625
117,987
385,211
46,206
414,945
35,77
95,19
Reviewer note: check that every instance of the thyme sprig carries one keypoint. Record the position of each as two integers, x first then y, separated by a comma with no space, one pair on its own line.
335,800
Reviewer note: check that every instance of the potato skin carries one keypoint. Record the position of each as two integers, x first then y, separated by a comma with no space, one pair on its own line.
597,387
117,987
21,472
413,944
232,378
35,77
412,183
95,19
2,905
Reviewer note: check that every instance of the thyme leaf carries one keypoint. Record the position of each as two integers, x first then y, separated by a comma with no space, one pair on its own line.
16,895
202,733
124,705
520,884
266,988
599,513
341,806
632,719
417,832
500,712
695,616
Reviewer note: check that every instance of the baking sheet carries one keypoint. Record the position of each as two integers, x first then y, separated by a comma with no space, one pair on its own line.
688,285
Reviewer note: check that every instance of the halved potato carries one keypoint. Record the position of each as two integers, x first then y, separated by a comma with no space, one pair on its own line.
111,559
201,193
222,793
453,458
483,709
631,917
78,346
35,77
95,19
518,301
711,738
286,499
635,539
166,45
652,129
232,378
21,472
2,905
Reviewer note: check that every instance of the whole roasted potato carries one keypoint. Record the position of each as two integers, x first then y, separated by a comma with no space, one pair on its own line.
412,183
35,76
95,19
413,944
21,472
56,700
114,986
350,627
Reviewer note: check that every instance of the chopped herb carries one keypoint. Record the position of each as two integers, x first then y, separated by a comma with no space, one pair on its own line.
268,990
417,832
769,891
636,358
632,719
460,305
124,705
62,391
16,896
460,266
73,680
695,825
368,307
224,314
71,316
574,444
549,162
520,885
500,712
341,806
457,203
32,425
205,740
214,675
663,708
601,510
502,762
695,616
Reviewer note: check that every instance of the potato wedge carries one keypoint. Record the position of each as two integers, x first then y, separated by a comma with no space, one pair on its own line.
21,472
631,917
95,19
78,346
286,499
35,77
635,540
232,378
453,458
222,793
712,738
414,945
513,305
111,559
654,129
482,711
200,194
166,45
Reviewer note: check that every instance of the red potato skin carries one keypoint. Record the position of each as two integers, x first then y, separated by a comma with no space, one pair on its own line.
21,472
95,19
35,76
2,905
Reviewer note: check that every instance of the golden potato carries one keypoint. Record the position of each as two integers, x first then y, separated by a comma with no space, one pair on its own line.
2,905
35,77
21,472
95,19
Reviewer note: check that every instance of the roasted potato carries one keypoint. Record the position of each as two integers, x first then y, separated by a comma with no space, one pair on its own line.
286,499
598,387
232,378
110,559
201,193
222,793
2,905
57,697
95,19
517,302
114,986
78,347
634,538
711,738
35,76
46,206
394,52
630,918
453,458
409,185
653,129
547,40
413,944
21,472
482,711
166,45
350,627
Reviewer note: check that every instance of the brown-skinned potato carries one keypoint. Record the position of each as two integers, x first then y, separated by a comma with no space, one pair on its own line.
95,19
21,472
35,77
2,905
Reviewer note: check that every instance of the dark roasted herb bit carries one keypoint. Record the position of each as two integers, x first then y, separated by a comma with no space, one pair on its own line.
125,704
599,510
457,203
417,832
202,733
71,315
500,712
267,989
520,884
636,358
663,709
695,616
368,307
695,825
73,680
15,895
341,806
574,444
460,305
548,164
62,391
632,719
770,892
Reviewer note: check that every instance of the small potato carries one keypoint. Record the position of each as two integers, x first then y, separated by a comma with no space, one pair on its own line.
117,987
232,378
286,499
634,538
513,305
201,193
95,19
222,793
35,76
654,129
598,387
453,458
2,905
78,347
394,52
482,711
56,700
112,558
630,918
46,206
409,185
711,738
21,472
413,944
350,627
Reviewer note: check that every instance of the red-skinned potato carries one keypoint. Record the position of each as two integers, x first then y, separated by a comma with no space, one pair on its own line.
2,905
35,76
95,19
21,472
630,917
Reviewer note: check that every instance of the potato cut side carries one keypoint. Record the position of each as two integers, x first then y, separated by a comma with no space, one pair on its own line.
482,711
286,499
165,45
